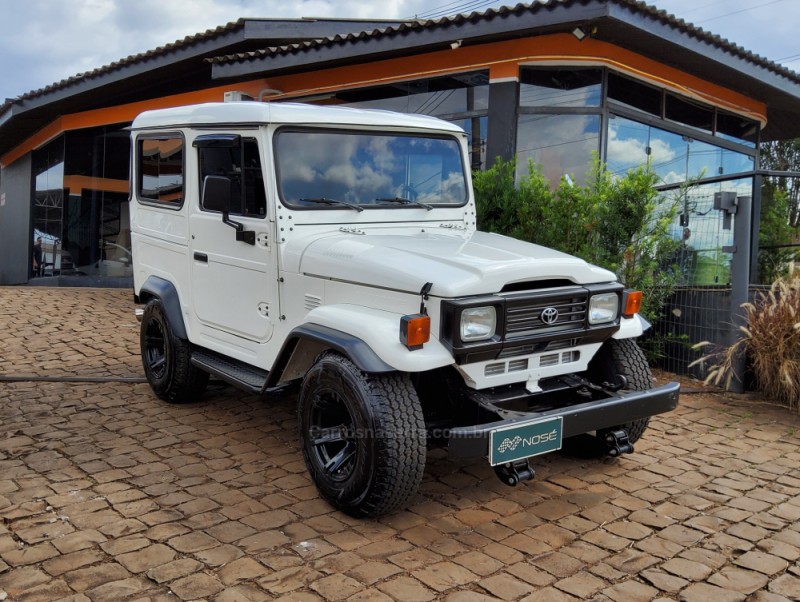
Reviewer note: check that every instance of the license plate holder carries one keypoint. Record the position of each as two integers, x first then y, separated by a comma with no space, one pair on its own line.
525,440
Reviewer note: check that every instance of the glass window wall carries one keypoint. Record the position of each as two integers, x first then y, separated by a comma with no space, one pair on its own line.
48,209
560,87
461,98
634,94
705,233
561,144
81,204
674,157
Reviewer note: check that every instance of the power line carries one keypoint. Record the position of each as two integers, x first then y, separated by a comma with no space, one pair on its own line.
743,10
452,8
704,6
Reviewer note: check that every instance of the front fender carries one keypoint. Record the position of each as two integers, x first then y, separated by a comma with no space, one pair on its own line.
380,330
631,327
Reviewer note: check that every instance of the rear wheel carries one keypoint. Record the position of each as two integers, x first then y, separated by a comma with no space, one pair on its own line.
363,436
618,361
166,359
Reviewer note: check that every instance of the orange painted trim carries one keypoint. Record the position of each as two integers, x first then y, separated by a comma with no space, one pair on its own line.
78,183
502,59
122,114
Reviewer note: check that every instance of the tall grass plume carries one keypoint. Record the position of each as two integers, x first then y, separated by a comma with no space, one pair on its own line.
770,341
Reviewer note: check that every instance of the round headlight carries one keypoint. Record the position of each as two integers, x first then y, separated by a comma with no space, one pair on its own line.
603,308
478,323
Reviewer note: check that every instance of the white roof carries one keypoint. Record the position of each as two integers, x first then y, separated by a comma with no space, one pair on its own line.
261,113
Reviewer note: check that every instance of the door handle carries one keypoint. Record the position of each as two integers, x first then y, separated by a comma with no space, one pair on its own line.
200,257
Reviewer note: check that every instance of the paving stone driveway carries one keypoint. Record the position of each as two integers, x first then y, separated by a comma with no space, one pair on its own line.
108,494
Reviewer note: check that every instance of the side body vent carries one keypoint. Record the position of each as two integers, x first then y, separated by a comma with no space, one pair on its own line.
311,302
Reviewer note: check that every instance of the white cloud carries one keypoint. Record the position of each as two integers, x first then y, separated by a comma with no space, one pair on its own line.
45,41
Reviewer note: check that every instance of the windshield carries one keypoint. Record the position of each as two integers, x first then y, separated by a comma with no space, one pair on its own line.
334,169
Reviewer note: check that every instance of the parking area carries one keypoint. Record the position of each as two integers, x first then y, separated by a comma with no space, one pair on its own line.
106,493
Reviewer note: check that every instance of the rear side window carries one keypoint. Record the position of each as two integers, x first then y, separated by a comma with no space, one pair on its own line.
161,170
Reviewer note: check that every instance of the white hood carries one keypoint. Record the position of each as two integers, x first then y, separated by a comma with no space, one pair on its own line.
458,264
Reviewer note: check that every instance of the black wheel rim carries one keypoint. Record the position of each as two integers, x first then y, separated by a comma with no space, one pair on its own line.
332,436
155,349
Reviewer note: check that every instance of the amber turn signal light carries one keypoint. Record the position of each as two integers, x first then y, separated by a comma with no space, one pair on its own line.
633,303
415,331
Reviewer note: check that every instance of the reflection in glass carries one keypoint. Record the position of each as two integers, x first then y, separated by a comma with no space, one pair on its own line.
368,170
736,128
704,232
675,158
628,145
560,87
449,95
634,94
461,98
561,144
689,112
160,163
733,162
48,206
81,203
476,128
97,224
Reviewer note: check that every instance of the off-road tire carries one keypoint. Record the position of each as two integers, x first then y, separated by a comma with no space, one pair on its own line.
166,359
617,357
363,436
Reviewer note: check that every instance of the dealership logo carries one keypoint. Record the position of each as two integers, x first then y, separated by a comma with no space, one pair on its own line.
549,315
509,444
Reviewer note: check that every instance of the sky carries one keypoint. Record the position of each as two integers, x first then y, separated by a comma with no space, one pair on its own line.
45,41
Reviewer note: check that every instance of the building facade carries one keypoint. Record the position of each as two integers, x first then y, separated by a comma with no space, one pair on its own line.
553,83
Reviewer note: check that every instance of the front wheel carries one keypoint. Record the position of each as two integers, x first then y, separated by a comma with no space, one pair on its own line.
363,436
166,359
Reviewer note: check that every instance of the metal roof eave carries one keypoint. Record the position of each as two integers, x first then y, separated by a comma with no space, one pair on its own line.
536,19
123,70
671,46
648,32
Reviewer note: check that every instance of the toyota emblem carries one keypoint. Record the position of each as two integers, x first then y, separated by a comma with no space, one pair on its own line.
549,315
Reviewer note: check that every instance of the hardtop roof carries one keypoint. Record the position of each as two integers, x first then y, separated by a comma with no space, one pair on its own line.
262,113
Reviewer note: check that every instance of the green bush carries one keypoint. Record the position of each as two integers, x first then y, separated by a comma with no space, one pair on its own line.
620,223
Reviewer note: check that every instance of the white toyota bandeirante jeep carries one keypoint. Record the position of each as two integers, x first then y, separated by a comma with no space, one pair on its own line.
337,248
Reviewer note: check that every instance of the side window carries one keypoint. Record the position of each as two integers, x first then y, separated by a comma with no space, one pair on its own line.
160,162
242,166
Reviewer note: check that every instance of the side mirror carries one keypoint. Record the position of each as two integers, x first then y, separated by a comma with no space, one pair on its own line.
216,194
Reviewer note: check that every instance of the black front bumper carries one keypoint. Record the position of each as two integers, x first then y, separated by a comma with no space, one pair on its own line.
619,408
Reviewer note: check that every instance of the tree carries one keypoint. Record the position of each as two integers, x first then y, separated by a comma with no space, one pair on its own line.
780,209
784,155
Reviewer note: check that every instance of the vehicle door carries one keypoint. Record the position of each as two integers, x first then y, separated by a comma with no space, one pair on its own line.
233,258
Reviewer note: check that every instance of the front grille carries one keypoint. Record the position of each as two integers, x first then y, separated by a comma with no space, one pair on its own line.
547,322
524,316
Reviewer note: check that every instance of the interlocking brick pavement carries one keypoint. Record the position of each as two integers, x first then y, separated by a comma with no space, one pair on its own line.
107,493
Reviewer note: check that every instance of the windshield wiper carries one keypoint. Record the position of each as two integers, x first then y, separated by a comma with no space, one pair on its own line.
326,201
401,200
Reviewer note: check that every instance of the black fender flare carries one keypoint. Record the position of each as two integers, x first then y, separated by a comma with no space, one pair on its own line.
359,352
166,292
